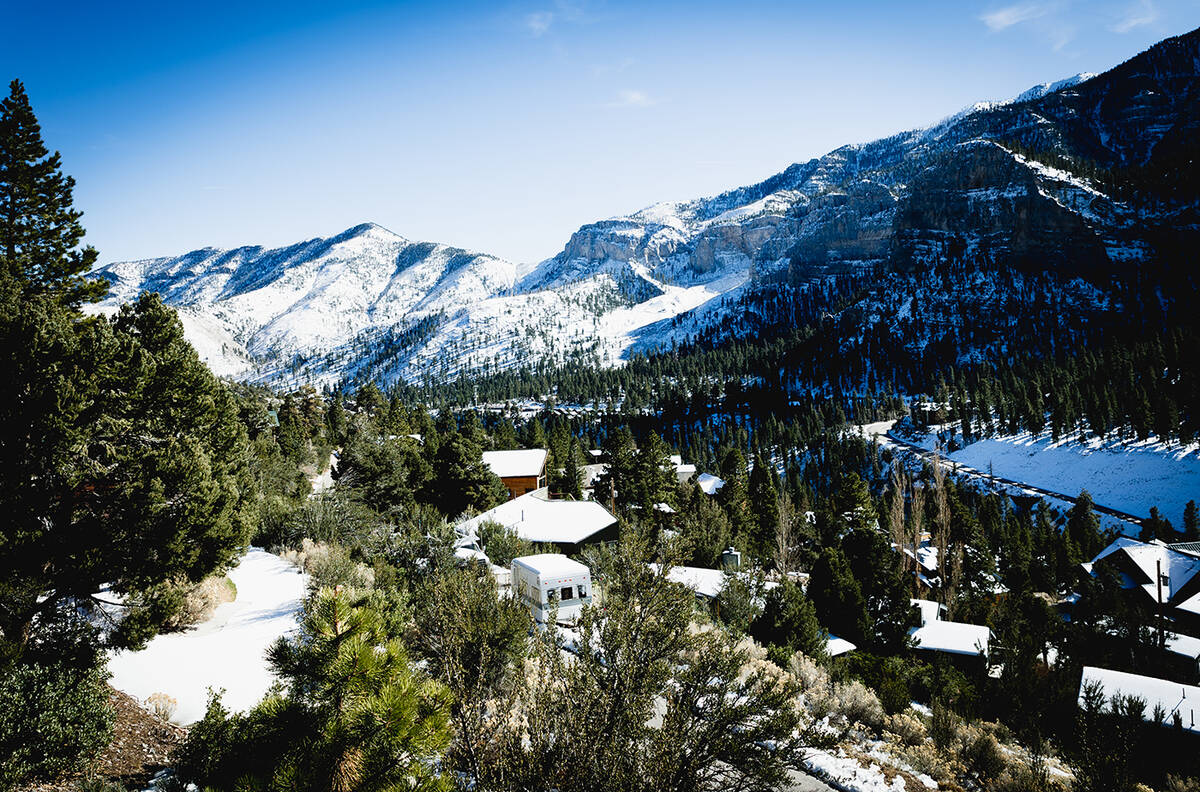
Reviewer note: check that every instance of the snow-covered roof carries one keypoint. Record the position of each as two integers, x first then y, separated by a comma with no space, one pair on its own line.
1148,558
709,483
526,462
470,554
1171,696
536,519
926,556
930,610
1184,645
551,565
703,581
838,646
952,637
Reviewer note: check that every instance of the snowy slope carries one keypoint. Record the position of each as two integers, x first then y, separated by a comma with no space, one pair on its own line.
1130,476
226,652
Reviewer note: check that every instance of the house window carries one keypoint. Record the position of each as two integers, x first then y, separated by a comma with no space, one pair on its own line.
566,592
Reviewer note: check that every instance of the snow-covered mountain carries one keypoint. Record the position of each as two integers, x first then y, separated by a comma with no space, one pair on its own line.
251,312
1019,184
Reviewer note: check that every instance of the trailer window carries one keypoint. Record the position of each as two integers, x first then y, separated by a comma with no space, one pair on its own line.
566,592
580,592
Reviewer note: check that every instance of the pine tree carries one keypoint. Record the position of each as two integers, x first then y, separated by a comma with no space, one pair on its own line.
614,486
838,598
355,714
474,641
734,496
123,463
764,497
461,480
40,233
1083,528
654,475
789,621
1191,523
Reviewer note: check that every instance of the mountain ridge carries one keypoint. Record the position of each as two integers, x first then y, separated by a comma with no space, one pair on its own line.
1018,183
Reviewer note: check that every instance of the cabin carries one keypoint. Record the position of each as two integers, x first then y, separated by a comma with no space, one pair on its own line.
1155,575
1178,702
935,634
567,525
550,581
521,471
683,472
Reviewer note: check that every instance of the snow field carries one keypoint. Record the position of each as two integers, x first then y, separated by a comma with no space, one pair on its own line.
228,651
1131,477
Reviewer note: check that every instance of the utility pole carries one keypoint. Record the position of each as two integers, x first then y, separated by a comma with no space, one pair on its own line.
1162,640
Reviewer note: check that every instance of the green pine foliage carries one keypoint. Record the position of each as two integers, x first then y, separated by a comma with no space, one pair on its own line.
40,232
354,714
126,464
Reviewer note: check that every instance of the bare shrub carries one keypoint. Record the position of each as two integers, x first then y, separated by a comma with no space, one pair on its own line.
162,705
200,600
907,727
851,702
330,565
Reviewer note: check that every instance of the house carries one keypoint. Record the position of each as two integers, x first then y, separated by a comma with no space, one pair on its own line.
568,525
835,646
683,473
550,581
1178,702
1156,575
521,471
935,634
710,484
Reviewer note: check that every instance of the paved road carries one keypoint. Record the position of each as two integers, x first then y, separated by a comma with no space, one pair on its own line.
960,468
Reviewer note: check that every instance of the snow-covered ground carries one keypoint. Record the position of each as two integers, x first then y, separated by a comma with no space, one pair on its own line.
324,480
1130,477
848,772
228,651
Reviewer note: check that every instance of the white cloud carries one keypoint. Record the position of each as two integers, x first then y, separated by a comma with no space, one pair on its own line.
1144,13
539,22
1004,18
633,99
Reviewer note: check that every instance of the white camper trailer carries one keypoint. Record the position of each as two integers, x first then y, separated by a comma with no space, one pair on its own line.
543,581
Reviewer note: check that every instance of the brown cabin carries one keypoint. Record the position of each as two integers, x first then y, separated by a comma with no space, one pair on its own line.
521,471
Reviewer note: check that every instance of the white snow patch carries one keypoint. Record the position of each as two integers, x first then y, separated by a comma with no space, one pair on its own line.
228,651
1128,476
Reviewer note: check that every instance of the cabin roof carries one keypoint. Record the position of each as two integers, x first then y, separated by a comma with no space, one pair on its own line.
1173,697
554,565
510,464
536,519
952,637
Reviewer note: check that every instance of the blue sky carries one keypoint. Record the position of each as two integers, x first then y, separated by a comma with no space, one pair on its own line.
501,127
